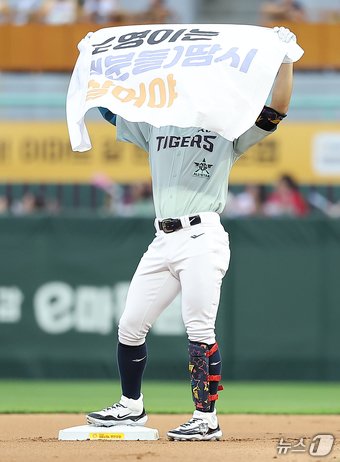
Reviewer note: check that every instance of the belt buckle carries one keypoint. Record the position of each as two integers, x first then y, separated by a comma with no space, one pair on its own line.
168,225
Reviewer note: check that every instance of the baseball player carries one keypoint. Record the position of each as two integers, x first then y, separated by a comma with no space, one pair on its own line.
190,253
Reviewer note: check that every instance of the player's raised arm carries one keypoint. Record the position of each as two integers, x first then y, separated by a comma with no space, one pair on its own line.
283,85
271,115
282,89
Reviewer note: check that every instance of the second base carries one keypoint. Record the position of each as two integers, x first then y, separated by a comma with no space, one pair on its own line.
117,433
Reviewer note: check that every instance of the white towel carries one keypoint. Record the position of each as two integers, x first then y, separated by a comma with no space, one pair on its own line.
216,77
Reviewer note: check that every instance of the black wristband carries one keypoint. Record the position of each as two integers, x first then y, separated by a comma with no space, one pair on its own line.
269,119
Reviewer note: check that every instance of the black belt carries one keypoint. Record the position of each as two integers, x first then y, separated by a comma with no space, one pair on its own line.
169,225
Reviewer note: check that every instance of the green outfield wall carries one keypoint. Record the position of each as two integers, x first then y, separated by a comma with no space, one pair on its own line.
63,282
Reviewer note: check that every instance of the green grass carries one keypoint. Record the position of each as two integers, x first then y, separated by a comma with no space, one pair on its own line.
170,397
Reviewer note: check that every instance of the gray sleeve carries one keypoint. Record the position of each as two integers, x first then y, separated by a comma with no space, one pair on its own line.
134,132
248,139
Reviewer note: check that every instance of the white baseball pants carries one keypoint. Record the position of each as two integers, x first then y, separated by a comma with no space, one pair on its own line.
192,260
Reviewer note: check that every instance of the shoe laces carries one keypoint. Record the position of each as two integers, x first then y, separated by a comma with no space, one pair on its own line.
191,421
114,406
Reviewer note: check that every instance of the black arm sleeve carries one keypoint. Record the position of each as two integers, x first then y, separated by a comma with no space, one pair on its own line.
269,119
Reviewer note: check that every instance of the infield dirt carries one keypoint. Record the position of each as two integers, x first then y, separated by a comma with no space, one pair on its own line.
247,438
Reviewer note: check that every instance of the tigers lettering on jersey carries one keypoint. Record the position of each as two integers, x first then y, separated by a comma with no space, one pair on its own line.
197,141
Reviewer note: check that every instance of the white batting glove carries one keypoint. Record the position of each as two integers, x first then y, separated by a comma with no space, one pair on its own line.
286,36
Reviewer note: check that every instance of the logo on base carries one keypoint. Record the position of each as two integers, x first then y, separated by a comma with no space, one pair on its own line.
107,436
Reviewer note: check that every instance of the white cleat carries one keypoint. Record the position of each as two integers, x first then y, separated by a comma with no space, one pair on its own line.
203,426
126,412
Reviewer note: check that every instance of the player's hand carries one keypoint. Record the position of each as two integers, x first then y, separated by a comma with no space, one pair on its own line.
286,36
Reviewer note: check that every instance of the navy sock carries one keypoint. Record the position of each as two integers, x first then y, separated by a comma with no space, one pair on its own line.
131,364
215,368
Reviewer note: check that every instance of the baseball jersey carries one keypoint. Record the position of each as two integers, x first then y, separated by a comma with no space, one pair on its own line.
189,166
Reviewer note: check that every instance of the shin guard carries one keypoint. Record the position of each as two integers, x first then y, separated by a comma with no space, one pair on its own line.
205,372
199,374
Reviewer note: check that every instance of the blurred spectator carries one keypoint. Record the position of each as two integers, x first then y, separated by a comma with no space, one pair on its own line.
57,12
282,10
247,203
324,205
158,13
139,200
318,201
113,192
23,205
286,199
133,199
3,205
100,11
31,204
4,12
24,11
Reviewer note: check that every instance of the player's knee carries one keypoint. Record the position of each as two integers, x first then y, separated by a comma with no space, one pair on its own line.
129,333
201,334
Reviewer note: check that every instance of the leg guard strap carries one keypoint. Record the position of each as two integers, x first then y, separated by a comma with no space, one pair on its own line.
212,350
215,378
